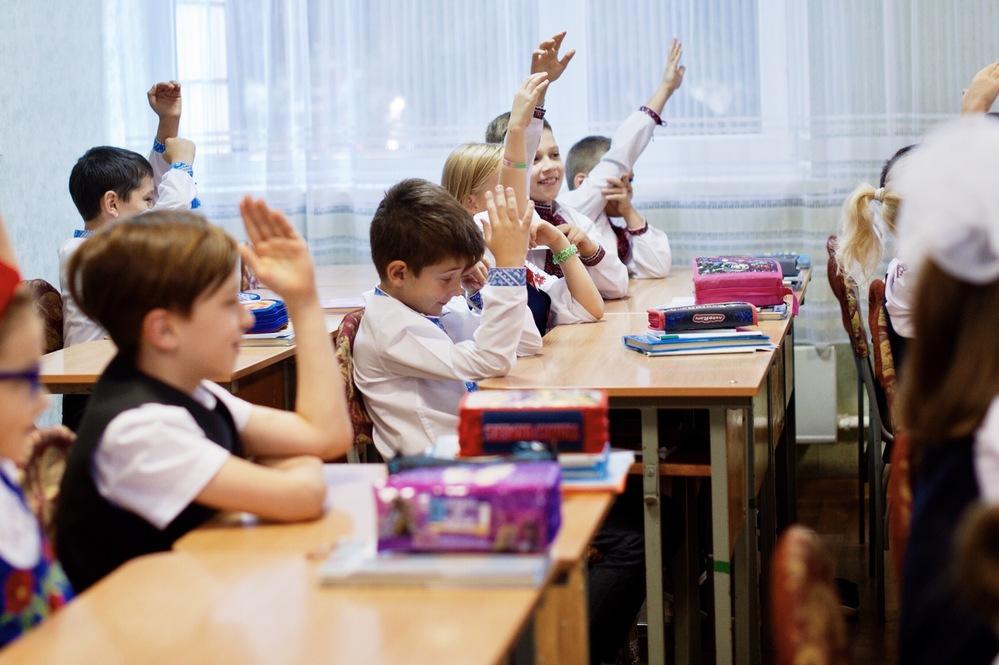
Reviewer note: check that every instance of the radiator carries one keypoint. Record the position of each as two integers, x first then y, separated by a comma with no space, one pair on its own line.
815,393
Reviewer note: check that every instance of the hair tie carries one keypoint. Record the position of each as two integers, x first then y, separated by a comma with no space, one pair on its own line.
879,194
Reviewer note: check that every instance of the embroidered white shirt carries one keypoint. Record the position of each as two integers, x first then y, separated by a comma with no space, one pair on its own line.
412,371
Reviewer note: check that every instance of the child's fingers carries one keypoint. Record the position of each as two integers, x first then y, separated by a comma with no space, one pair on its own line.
249,222
536,93
492,211
568,56
511,204
527,220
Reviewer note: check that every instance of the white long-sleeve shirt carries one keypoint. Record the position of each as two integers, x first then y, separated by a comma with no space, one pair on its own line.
175,190
413,369
650,251
610,276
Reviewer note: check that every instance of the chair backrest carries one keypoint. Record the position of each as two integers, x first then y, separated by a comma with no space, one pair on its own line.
43,474
48,303
884,363
806,617
899,502
364,445
845,290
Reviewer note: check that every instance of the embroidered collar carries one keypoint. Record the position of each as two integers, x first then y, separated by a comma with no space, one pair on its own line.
82,233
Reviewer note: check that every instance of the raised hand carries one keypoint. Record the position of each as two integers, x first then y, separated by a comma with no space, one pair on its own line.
673,74
278,253
164,99
526,99
509,232
545,59
982,91
619,192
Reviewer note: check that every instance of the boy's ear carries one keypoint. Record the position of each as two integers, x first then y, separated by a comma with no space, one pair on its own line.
396,272
109,203
158,330
578,179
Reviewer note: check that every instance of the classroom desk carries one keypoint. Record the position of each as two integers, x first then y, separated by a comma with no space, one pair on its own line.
262,375
747,397
560,625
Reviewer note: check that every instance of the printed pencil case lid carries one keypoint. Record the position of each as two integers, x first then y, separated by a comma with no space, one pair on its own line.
703,317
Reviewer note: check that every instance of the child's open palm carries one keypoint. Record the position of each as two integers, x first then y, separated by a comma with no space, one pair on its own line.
545,58
673,74
526,99
277,254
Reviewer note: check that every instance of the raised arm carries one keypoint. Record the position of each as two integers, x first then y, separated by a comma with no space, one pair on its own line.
515,166
320,424
982,91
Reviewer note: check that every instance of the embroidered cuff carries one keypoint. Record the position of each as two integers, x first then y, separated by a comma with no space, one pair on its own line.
508,277
656,118
637,232
183,166
594,258
158,147
539,113
475,300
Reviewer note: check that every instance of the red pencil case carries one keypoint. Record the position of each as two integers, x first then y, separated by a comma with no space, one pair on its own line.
490,422
755,280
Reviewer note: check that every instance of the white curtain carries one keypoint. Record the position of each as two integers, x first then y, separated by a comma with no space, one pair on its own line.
321,105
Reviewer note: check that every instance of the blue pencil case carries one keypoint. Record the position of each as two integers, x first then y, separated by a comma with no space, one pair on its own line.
269,315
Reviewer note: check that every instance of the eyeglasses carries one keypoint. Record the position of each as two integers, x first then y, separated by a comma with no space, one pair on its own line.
30,376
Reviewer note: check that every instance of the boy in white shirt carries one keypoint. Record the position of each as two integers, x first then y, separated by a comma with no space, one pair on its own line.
112,183
420,346
161,448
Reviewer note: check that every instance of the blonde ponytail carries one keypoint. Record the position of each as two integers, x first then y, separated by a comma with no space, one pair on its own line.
861,245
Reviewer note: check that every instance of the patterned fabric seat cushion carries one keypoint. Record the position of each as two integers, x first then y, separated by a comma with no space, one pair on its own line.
48,302
845,291
364,445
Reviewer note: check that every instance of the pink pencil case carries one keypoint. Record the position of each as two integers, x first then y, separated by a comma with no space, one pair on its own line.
755,280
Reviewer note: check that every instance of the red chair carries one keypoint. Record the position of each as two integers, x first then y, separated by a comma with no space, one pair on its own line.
870,452
899,503
806,617
43,474
363,449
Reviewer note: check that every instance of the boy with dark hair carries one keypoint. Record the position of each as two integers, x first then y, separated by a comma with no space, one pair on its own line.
420,346
109,183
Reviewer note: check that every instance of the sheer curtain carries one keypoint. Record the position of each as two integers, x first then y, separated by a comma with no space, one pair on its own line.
320,106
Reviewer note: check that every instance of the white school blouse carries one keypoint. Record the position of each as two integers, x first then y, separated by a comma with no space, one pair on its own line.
650,251
175,190
20,544
412,370
154,460
900,288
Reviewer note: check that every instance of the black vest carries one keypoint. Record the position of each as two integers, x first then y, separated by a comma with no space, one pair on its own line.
94,536
936,626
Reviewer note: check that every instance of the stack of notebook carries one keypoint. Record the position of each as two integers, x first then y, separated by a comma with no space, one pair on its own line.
657,343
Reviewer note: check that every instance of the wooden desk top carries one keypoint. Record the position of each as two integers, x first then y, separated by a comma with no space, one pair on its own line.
81,365
181,608
592,355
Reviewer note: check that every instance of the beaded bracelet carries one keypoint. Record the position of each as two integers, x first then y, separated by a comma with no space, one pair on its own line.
514,165
656,118
564,255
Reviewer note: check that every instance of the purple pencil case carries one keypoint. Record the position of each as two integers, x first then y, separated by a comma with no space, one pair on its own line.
501,507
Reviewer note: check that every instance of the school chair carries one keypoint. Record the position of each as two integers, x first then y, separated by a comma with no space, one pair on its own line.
884,363
872,443
363,450
807,622
42,476
48,303
899,504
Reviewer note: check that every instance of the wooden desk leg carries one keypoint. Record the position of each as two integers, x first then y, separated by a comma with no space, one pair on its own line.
686,610
747,625
561,633
721,567
653,536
